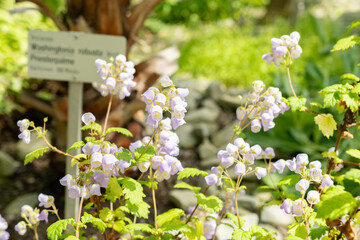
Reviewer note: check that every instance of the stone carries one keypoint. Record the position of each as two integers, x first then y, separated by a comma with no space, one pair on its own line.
209,162
273,215
22,149
222,137
207,150
8,165
248,202
224,232
229,102
183,198
251,219
205,130
186,136
202,115
215,90
14,208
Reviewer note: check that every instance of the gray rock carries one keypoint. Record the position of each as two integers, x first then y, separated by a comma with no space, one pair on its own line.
209,162
22,149
183,198
207,150
186,136
202,115
215,90
269,227
14,208
248,202
193,100
229,102
272,214
223,137
224,232
205,130
264,197
8,165
251,219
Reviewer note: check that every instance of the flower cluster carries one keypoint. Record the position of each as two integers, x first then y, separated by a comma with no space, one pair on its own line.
25,132
313,174
264,107
284,49
209,221
4,235
169,99
117,76
243,155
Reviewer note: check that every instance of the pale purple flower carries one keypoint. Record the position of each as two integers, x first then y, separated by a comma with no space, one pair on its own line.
4,235
291,164
177,122
156,113
240,113
269,152
179,112
315,164
101,178
110,83
298,207
143,166
3,223
43,216
269,101
267,121
227,161
211,179
313,197
296,52
74,191
302,160
231,150
165,124
316,174
88,118
160,99
108,162
338,167
256,150
295,35
25,136
255,126
279,165
124,165
258,86
326,181
240,169
21,228
287,205
96,159
26,210
283,107
302,185
148,96
46,201
67,180
209,228
95,190
268,57
176,167
260,172
165,81
183,93
87,148
135,145
249,158
23,124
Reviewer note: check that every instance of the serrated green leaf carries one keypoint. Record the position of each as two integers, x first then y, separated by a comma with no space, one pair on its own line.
92,126
298,229
71,238
317,233
177,225
349,76
96,222
119,226
234,218
106,214
35,154
290,180
297,103
354,153
273,202
76,145
113,190
143,227
316,104
326,124
331,99
353,25
132,189
210,204
187,186
169,216
356,89
54,230
190,172
239,234
124,155
351,100
335,203
140,209
199,227
261,233
144,154
120,130
346,43
148,184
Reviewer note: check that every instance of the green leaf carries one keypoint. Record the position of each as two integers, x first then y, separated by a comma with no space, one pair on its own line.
353,25
210,204
317,233
132,189
92,126
349,76
297,103
331,99
290,180
106,214
354,153
119,226
326,124
140,209
239,234
144,154
71,238
261,233
335,203
351,101
76,145
35,154
96,222
113,190
54,230
187,186
346,43
124,155
234,218
298,229
190,172
169,216
143,227
120,130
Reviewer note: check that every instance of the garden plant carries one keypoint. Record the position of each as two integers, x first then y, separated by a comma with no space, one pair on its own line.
322,195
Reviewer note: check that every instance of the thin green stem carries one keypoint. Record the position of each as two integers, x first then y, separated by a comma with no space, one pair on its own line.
55,211
79,213
290,82
107,116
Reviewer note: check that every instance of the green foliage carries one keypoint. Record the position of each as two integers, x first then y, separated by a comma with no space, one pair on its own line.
210,204
143,227
93,126
326,124
351,181
144,154
97,222
191,172
297,103
169,216
125,155
235,219
354,153
132,189
120,130
106,214
29,158
316,233
75,145
346,43
259,233
298,229
239,234
187,186
140,209
335,203
54,230
114,190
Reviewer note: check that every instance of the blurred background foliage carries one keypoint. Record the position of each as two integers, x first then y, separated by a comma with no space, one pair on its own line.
219,40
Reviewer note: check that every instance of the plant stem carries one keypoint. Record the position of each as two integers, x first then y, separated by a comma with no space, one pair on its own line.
79,213
36,234
55,211
153,196
107,116
289,77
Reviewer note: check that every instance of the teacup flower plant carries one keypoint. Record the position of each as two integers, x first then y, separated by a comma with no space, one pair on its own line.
323,201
